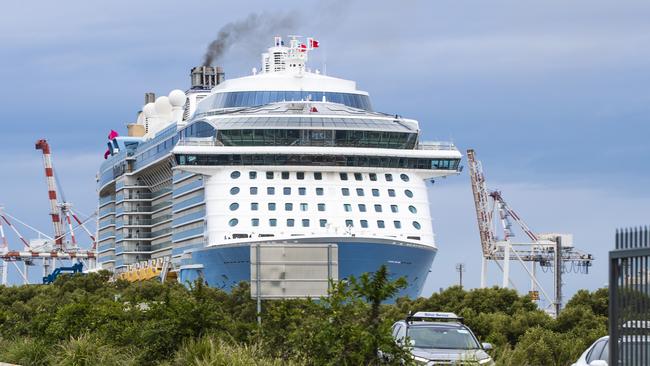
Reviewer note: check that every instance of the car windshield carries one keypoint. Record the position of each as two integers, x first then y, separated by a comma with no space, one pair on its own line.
442,337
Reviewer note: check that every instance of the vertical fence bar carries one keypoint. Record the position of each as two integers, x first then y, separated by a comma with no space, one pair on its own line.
629,297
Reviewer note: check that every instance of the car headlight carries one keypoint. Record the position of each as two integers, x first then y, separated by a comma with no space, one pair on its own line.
486,361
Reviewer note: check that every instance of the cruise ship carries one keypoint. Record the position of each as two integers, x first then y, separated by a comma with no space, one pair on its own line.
286,157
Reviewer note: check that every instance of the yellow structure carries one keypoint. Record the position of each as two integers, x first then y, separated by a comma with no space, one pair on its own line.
142,271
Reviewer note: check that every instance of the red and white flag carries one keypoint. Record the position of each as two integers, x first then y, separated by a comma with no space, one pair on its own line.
312,43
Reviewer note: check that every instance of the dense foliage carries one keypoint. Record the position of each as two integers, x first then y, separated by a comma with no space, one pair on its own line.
89,320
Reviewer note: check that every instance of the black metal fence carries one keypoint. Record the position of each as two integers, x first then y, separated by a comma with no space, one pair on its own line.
629,300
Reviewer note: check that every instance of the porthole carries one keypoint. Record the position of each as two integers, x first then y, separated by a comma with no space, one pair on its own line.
408,193
234,175
404,177
233,222
234,206
234,190
417,225
413,209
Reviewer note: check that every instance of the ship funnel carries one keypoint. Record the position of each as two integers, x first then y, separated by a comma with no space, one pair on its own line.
206,77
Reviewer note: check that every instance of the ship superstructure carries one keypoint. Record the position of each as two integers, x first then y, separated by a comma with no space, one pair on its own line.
285,155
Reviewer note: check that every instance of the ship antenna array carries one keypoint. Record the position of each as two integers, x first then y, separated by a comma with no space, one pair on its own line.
552,252
62,245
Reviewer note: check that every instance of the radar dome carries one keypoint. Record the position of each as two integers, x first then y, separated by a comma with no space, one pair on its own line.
149,110
177,98
163,107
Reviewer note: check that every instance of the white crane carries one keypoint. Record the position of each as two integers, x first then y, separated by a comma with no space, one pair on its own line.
538,249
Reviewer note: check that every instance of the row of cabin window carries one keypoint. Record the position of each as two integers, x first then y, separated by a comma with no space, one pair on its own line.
320,191
319,176
381,224
288,206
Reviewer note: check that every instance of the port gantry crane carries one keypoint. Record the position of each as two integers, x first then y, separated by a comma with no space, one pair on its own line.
553,251
51,248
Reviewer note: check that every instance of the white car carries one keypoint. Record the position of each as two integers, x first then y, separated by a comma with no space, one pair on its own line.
596,355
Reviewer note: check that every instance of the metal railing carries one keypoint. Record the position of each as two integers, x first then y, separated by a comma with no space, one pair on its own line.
629,300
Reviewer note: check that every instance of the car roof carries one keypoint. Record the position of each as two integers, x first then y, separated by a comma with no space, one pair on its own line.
430,323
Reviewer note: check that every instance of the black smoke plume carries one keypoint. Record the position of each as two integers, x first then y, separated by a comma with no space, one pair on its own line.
252,29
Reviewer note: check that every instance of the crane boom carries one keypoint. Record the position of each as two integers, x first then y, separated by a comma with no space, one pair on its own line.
481,202
59,233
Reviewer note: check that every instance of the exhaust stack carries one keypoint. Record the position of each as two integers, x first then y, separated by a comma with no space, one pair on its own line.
206,77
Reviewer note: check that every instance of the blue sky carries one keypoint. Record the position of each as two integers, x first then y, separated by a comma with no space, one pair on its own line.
553,95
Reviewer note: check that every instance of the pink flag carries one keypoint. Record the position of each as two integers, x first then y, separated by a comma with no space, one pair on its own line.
113,134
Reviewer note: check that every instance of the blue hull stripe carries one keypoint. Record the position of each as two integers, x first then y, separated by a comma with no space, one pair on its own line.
224,267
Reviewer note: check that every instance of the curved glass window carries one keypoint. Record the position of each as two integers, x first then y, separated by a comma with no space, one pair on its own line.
233,222
234,206
297,132
404,177
314,160
417,225
234,190
198,129
408,193
235,174
255,98
413,209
